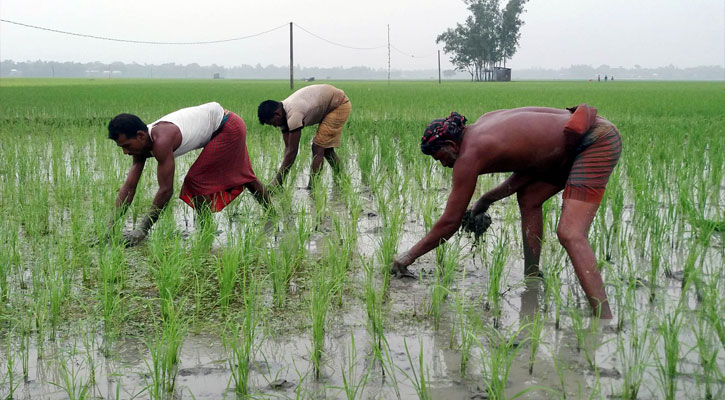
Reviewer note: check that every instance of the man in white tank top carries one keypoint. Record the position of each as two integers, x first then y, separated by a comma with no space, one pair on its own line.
219,174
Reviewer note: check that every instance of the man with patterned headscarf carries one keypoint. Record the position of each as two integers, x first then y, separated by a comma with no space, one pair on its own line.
548,150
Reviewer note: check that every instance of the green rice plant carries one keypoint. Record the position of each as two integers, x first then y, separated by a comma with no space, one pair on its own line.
279,274
448,256
374,308
553,285
667,371
26,323
393,219
71,381
169,263
203,238
352,385
366,159
497,360
577,323
9,377
320,200
164,353
560,369
89,344
58,287
634,351
467,316
242,340
112,267
495,278
708,352
322,287
535,327
421,378
338,257
226,270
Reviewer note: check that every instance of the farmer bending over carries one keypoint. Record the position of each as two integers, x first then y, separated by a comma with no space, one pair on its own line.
325,105
218,176
547,150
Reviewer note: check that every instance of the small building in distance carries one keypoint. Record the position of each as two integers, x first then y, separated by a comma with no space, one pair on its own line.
501,74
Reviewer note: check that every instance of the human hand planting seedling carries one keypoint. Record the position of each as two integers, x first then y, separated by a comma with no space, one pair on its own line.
476,223
133,237
400,266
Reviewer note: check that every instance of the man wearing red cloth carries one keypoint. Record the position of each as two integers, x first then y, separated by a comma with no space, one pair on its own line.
547,150
218,176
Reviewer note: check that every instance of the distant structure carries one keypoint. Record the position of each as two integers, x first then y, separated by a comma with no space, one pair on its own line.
501,74
217,75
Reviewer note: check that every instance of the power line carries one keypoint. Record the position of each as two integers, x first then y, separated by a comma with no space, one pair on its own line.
209,41
139,41
406,54
338,44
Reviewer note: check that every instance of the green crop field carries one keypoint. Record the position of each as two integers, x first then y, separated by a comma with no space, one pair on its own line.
297,301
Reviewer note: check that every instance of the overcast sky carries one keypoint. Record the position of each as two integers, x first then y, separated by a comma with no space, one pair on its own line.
557,33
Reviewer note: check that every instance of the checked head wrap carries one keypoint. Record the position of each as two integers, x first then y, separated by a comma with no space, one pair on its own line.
440,130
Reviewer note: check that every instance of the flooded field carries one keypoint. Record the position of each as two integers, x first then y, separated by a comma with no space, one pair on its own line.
297,301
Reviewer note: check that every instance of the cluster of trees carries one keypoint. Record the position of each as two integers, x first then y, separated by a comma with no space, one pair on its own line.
487,39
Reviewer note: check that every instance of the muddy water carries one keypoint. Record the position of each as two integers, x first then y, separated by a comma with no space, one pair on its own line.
282,368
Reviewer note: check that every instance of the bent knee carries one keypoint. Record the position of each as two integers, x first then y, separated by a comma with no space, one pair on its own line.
570,237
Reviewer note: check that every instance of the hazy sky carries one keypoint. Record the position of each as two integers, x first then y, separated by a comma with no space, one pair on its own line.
557,33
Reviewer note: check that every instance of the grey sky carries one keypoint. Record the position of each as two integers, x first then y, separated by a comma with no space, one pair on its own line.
557,33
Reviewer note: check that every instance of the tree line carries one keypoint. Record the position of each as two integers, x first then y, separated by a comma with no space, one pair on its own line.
489,36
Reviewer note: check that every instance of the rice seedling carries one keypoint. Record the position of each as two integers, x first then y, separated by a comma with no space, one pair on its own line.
365,160
322,286
111,265
667,371
9,376
536,325
242,339
164,353
577,324
421,378
71,381
634,351
448,256
493,293
352,385
227,265
497,359
467,323
374,308
168,267
708,352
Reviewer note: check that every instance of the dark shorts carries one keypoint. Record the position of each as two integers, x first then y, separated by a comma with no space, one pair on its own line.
597,155
223,167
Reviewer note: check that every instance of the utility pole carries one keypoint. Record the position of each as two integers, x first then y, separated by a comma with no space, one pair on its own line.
439,67
388,54
291,60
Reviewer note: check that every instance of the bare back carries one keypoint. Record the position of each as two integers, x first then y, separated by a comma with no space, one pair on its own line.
522,139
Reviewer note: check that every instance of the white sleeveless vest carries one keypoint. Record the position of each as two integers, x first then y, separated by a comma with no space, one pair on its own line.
196,125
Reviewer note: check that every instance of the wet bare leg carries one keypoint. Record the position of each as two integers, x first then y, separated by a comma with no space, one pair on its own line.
318,156
576,218
333,160
530,199
257,189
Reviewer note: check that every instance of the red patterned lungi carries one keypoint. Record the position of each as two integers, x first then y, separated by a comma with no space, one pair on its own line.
597,155
223,167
